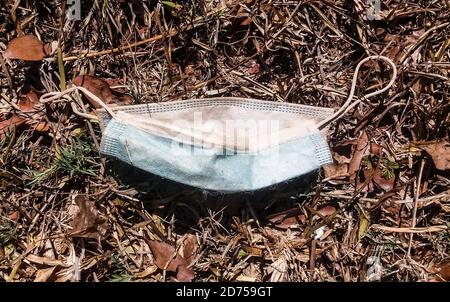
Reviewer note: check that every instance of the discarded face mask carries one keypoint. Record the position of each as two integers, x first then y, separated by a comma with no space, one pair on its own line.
220,144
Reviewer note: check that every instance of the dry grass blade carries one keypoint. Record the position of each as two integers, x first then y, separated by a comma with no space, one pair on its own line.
413,230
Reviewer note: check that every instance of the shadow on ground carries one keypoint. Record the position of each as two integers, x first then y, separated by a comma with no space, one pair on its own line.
189,205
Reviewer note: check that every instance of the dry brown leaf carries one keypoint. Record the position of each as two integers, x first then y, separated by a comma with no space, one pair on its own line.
287,219
14,216
246,22
189,248
165,258
375,149
102,90
385,184
443,271
8,123
43,275
327,210
255,69
184,274
28,100
42,127
97,86
86,222
334,171
147,272
440,153
360,150
26,104
28,48
254,251
343,151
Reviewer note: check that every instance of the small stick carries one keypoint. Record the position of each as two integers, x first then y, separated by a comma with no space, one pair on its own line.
312,260
416,200
170,33
117,49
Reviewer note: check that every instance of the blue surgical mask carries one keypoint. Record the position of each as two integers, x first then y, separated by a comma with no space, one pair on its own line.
220,144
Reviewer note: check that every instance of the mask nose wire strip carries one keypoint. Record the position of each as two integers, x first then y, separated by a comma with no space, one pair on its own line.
51,96
348,103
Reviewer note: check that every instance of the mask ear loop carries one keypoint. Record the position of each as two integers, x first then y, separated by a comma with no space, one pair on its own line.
51,96
348,103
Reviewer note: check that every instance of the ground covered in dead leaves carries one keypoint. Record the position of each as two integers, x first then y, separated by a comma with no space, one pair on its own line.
380,212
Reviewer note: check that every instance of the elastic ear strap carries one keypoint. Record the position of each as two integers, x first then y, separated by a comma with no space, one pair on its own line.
348,103
51,96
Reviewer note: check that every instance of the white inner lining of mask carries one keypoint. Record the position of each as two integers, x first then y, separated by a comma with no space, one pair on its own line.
224,126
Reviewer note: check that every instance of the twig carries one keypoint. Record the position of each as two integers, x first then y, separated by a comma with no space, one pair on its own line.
416,201
413,230
172,32
312,259
117,49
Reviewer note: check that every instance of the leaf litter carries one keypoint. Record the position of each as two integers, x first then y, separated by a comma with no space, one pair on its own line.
59,199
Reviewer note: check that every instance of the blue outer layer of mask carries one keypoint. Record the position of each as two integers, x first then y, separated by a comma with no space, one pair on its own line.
212,169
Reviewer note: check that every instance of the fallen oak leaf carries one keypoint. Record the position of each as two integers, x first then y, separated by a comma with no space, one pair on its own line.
184,274
27,48
164,259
